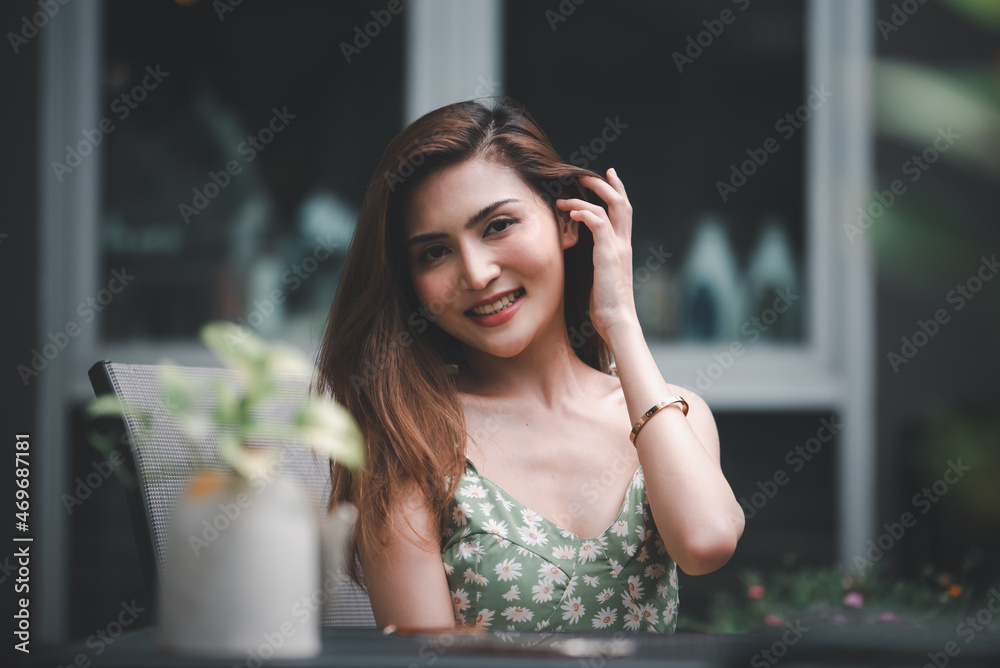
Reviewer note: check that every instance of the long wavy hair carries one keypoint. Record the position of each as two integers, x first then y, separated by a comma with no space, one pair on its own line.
383,357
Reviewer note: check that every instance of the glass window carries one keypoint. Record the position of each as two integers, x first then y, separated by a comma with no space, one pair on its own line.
238,158
701,107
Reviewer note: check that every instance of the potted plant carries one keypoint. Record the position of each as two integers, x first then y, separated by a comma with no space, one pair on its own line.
242,565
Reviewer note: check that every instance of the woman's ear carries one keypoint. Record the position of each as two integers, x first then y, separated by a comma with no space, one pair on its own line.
569,232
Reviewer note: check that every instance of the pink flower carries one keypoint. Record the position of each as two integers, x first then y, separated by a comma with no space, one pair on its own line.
771,620
890,617
840,619
854,600
756,591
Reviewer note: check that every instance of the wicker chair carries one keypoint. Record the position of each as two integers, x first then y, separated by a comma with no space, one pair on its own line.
160,460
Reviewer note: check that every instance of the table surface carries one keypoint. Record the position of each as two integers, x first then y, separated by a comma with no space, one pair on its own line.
371,648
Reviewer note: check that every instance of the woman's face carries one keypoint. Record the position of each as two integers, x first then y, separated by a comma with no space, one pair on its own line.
486,256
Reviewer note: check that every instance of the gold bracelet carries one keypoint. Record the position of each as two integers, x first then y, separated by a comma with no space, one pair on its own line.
654,410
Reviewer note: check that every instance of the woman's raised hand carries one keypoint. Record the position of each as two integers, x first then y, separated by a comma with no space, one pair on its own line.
611,300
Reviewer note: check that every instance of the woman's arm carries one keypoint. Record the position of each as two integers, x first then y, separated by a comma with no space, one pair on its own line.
695,510
406,583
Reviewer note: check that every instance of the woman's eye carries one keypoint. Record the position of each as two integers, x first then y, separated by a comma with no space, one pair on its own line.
500,224
432,253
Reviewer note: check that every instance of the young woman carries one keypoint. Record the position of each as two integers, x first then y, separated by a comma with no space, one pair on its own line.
486,288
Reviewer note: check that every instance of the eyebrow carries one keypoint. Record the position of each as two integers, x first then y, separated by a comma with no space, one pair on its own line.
475,218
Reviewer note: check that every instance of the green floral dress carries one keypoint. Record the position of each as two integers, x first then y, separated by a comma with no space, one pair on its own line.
510,568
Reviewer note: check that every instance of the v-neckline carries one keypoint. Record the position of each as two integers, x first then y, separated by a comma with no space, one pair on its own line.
621,511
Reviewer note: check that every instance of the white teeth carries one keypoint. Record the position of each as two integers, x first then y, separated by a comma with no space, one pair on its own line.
499,305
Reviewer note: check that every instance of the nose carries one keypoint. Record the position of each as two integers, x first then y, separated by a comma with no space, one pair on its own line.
479,268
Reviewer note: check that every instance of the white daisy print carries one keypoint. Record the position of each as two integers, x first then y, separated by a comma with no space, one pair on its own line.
570,586
639,481
474,491
591,580
604,618
660,547
661,590
620,528
512,594
484,618
668,612
605,594
628,548
573,610
673,576
629,603
654,571
470,549
459,600
551,573
460,514
518,614
567,534
643,554
632,620
649,613
634,587
481,580
449,569
498,529
470,575
530,517
616,568
486,507
542,592
508,569
643,533
507,505
523,551
532,535
564,552
541,625
588,551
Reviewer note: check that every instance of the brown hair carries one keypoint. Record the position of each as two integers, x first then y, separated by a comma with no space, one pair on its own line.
382,359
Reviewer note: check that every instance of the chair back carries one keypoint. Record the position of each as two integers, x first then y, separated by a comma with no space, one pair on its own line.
161,461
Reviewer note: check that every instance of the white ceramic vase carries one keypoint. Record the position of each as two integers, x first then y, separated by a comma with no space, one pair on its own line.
242,564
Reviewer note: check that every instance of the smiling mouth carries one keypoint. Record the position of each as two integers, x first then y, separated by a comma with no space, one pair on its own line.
499,305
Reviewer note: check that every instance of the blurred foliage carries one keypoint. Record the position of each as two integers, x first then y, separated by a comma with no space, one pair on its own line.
831,596
973,504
